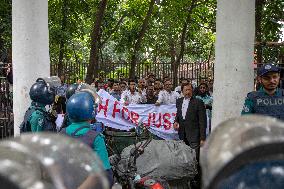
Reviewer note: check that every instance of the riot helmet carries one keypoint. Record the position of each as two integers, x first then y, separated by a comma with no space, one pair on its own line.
71,90
81,107
45,160
245,152
42,92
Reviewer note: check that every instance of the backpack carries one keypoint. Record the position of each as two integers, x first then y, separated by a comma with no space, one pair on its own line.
25,126
87,138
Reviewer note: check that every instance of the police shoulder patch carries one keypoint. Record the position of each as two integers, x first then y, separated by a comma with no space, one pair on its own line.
246,109
40,122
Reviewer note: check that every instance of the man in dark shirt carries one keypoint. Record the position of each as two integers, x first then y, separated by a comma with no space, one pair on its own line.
150,94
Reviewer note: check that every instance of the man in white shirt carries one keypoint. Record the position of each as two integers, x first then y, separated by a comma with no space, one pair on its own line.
123,86
167,96
182,81
142,86
131,96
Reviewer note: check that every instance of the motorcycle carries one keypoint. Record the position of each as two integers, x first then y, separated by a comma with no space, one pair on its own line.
127,176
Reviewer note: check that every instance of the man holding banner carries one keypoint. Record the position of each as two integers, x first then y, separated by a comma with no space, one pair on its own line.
131,96
167,96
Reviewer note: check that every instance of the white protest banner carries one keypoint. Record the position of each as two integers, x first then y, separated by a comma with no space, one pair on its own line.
59,121
159,119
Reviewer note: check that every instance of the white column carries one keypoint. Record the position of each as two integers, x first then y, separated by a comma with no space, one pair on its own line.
233,76
30,51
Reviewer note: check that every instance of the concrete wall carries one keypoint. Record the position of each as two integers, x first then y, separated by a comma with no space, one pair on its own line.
30,49
233,71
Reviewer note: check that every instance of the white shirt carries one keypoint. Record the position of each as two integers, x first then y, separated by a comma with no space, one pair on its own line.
184,107
144,92
135,98
165,97
178,89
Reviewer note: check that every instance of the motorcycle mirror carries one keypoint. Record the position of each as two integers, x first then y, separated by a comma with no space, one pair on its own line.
139,128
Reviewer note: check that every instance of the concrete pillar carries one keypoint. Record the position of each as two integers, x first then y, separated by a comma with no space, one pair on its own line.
233,71
30,51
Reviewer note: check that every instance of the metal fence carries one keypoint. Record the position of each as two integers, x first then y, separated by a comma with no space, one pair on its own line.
197,71
6,105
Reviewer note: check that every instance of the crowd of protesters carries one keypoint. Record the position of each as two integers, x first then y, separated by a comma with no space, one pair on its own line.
151,90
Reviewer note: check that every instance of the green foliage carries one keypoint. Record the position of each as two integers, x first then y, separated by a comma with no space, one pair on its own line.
5,28
71,22
118,71
271,24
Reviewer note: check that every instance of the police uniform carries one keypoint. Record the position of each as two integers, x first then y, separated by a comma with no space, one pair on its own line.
99,145
259,102
37,118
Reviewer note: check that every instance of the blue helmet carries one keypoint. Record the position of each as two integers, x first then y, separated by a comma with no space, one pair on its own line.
42,93
80,107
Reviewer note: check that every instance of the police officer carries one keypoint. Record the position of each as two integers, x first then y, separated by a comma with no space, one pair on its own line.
269,99
69,92
72,89
36,117
80,108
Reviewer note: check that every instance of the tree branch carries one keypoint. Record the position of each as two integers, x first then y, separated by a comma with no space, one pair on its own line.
114,29
140,37
184,30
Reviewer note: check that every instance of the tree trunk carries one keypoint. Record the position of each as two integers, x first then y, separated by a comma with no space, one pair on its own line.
62,38
173,56
258,30
139,40
92,70
182,40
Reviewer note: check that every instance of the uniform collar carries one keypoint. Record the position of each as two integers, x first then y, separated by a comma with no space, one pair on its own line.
76,125
38,105
277,92
79,124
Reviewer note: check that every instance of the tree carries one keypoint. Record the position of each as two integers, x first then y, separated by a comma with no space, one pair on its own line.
143,32
5,30
95,40
176,62
268,17
69,24
139,38
64,10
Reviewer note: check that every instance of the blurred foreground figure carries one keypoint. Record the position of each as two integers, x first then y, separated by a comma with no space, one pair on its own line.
49,161
246,153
